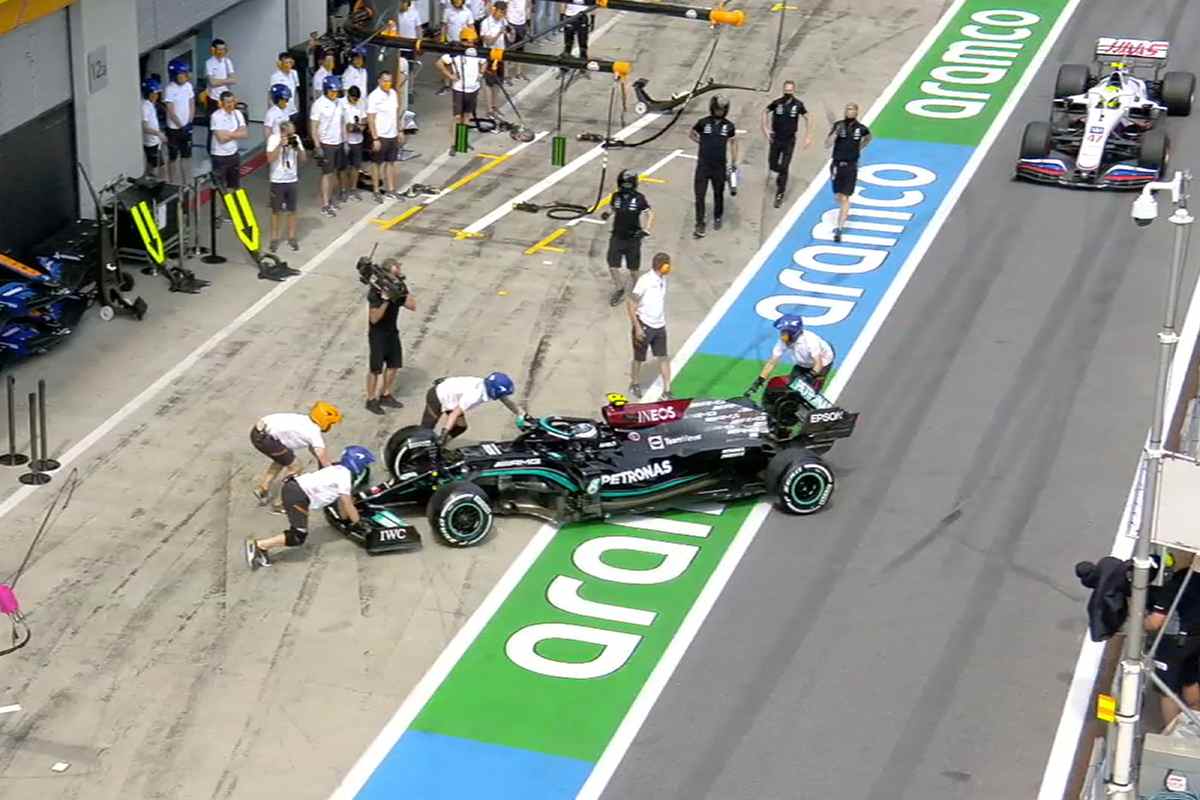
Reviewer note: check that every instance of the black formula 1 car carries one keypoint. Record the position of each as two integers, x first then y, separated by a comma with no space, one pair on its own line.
638,458
1105,129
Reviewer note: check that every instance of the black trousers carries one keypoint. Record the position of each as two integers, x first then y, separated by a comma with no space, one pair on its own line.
779,158
710,174
576,29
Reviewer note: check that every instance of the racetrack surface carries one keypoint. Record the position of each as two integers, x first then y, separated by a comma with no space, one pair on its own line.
915,640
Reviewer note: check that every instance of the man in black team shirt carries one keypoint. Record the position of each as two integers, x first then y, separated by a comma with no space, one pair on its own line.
847,137
780,119
628,205
714,134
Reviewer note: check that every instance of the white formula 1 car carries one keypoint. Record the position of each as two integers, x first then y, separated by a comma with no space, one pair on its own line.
1104,130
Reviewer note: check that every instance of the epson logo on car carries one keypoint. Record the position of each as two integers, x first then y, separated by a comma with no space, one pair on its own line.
660,414
646,473
827,416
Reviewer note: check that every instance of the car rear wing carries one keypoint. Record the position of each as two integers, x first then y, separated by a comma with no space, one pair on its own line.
829,423
1137,52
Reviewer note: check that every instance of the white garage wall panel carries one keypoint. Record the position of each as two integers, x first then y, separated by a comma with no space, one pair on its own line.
255,33
305,16
35,70
162,20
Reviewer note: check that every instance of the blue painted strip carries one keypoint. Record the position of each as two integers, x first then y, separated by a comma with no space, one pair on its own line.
430,766
840,293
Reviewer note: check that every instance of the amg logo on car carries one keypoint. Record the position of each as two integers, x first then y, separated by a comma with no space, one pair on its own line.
662,414
826,416
518,462
646,473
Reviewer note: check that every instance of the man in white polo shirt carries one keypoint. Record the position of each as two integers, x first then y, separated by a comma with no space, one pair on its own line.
228,127
328,129
647,306
277,436
287,75
493,32
517,15
180,99
449,399
152,136
219,73
463,72
277,112
356,73
383,121
328,64
285,154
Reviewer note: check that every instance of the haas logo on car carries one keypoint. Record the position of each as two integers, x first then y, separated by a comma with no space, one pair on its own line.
646,473
657,414
826,416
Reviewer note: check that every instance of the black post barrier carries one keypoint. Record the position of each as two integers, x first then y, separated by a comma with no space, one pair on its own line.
44,464
212,257
12,458
36,477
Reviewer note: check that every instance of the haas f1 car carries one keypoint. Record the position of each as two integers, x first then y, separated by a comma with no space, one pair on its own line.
1106,122
637,458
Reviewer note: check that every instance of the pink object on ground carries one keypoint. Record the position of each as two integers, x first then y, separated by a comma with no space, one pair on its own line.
8,601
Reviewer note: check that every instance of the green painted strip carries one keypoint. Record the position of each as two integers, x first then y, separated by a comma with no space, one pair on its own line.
489,698
984,44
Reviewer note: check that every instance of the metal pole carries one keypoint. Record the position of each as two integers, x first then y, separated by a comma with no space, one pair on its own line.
213,198
35,477
45,464
12,458
1121,784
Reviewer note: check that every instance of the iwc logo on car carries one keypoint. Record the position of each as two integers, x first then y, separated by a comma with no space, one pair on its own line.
646,473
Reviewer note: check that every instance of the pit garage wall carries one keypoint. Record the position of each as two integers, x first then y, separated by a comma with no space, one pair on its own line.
37,186
255,30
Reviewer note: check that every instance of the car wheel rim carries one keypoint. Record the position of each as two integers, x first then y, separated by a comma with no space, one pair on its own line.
465,521
806,489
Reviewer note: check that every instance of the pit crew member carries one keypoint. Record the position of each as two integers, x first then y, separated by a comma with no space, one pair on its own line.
780,119
811,355
647,306
277,436
847,137
715,136
449,399
310,492
625,242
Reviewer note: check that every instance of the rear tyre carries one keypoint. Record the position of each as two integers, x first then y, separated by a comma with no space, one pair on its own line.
1154,152
460,513
1072,79
1037,140
400,457
1178,89
800,482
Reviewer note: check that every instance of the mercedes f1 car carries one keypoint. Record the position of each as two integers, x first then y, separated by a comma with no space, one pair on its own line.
1105,129
637,458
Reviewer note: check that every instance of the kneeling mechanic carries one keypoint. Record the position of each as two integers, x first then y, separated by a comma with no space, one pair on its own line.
312,492
277,436
449,399
811,355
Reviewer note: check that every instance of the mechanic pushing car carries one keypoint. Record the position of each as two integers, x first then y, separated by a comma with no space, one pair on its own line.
449,399
811,355
277,436
313,491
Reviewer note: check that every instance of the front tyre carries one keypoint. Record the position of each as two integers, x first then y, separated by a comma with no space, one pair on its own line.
800,482
400,455
1178,89
1072,79
460,513
1155,151
1037,141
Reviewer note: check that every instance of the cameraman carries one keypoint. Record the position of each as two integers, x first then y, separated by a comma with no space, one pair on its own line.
355,109
384,300
284,154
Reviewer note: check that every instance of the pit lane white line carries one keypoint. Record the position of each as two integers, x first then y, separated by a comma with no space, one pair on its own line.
1078,704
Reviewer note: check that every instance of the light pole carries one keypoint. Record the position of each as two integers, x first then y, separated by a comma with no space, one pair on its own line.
1121,784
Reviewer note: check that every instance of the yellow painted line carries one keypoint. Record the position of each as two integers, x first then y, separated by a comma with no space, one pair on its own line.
644,179
1106,708
490,155
782,7
544,244
388,224
485,169
460,234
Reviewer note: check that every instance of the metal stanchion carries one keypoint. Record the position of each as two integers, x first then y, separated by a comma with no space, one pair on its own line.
44,464
36,477
12,458
213,257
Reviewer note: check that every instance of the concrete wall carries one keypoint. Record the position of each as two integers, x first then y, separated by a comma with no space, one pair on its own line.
35,70
108,105
161,20
255,31
304,16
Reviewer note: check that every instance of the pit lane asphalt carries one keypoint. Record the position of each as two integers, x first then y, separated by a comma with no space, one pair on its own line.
915,641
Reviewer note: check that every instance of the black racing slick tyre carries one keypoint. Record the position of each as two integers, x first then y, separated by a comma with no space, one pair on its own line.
460,513
1072,79
1155,151
800,482
1178,89
401,457
1037,140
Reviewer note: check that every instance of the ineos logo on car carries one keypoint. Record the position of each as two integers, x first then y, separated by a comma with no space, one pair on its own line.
661,414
